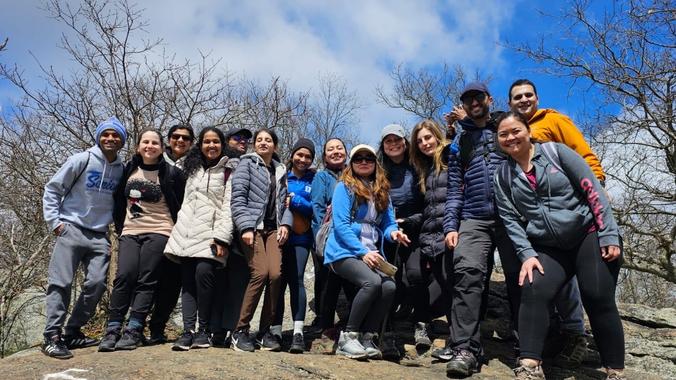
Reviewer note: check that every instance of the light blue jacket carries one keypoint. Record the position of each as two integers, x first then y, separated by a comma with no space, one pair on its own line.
344,239
87,201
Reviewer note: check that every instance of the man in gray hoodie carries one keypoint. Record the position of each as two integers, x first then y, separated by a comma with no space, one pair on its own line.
78,207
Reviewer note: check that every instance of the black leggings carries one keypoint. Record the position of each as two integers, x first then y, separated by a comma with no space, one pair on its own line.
597,280
419,268
199,279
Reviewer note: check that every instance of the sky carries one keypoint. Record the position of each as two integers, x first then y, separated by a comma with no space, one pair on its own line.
360,41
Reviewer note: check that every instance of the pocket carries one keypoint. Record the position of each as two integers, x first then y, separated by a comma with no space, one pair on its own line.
568,227
64,229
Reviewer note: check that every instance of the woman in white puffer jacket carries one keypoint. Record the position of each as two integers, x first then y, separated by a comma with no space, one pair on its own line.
201,237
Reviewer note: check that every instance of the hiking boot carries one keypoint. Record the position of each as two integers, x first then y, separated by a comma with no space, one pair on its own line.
201,340
131,340
422,340
156,337
184,342
78,340
110,339
444,354
349,346
297,344
388,346
574,351
463,364
269,342
368,341
55,347
525,372
241,341
221,339
615,374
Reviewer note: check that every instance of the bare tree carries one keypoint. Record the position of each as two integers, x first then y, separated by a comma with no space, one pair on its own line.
628,53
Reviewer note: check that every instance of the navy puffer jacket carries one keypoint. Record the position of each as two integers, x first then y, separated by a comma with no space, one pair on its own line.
470,184
431,233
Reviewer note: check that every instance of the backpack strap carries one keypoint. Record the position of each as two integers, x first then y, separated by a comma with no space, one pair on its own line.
505,183
552,154
79,175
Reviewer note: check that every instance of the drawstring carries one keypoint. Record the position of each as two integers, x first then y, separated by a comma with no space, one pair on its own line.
103,176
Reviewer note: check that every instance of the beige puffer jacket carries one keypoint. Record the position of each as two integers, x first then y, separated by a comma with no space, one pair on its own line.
205,214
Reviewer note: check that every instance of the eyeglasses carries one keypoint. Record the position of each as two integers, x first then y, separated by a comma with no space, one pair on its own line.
478,96
176,137
518,97
240,138
363,159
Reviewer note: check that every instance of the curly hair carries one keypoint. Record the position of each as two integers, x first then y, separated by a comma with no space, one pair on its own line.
195,159
376,188
421,162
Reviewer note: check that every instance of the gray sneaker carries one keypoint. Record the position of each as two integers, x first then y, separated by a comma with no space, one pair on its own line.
524,372
368,341
349,346
422,340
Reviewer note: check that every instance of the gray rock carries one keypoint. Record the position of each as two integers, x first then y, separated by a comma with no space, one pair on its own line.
648,316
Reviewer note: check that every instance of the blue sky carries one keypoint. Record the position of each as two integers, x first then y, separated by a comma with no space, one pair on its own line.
300,40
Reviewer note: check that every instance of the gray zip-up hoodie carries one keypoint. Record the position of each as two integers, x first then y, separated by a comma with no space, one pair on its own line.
560,212
87,202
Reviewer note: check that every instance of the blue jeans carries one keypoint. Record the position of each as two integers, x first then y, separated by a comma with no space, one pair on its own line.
294,260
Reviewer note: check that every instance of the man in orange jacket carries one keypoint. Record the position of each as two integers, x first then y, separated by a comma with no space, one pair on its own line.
549,125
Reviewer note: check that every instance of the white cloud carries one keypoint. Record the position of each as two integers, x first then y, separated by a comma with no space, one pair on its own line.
356,40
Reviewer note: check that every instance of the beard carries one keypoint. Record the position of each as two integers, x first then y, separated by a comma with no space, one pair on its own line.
481,112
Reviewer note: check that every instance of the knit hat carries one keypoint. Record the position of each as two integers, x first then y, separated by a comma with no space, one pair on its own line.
393,129
113,124
304,143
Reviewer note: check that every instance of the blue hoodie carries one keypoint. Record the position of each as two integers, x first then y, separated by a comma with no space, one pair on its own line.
301,203
344,239
88,201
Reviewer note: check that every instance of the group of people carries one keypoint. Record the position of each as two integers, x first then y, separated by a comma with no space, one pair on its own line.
409,228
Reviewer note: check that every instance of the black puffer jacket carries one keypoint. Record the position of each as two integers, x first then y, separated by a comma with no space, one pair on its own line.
432,230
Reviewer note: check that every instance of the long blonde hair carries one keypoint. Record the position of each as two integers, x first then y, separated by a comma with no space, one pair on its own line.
419,160
378,191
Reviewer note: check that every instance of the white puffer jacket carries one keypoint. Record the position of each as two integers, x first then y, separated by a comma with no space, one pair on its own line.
205,214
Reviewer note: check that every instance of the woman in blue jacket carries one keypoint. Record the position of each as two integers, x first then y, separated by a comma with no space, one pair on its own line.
558,217
362,216
297,248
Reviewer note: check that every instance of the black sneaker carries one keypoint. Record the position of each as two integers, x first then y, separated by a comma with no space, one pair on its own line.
269,342
221,339
297,344
55,347
156,337
444,354
201,340
110,340
78,340
131,340
184,342
241,341
462,364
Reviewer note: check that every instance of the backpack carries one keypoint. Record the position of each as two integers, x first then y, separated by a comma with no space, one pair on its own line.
78,176
505,174
327,226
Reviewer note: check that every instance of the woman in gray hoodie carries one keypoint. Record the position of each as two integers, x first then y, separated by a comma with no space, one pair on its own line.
558,217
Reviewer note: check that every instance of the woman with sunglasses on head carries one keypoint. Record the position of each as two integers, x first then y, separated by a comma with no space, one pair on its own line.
146,205
297,248
327,284
429,155
201,237
261,220
362,217
393,154
560,221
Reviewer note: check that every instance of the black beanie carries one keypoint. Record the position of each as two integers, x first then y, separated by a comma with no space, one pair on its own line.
304,143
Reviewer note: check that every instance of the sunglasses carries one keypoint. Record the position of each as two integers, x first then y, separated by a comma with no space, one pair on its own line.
364,159
177,137
240,138
518,97
478,96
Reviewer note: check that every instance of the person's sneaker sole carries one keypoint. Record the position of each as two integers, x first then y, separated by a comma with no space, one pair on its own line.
235,348
203,345
62,357
363,356
296,349
128,347
460,372
106,349
270,349
180,348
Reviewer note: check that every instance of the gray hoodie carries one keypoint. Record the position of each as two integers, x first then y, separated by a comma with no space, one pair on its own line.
87,201
560,211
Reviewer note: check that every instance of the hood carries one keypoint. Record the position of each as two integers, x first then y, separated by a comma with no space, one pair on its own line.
541,113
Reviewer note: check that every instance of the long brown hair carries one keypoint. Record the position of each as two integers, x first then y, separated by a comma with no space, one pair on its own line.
419,160
378,191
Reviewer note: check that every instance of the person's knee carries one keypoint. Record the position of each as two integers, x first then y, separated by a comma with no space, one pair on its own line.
388,289
539,291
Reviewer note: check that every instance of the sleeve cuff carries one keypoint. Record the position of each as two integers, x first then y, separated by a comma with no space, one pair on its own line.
527,254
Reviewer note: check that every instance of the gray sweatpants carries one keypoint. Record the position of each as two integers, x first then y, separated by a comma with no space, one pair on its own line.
74,246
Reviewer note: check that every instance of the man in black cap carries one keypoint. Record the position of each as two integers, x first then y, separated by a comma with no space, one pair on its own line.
473,229
239,138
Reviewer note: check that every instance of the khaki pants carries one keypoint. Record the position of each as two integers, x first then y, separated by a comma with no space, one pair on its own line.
265,266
